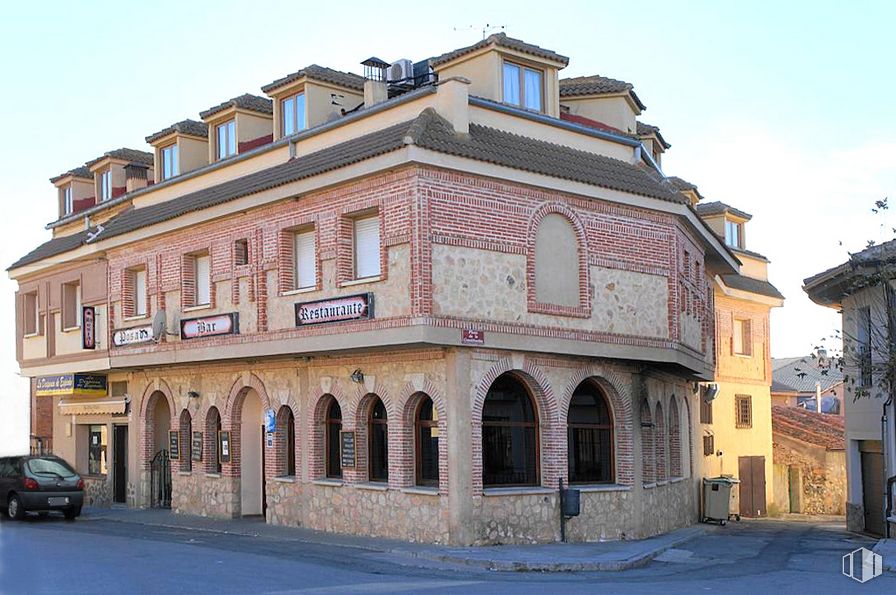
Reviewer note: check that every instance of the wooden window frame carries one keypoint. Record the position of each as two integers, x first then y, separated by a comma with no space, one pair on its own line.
296,232
746,337
236,145
294,97
373,423
420,424
709,445
522,81
77,307
328,437
705,407
512,424
739,421
241,248
175,171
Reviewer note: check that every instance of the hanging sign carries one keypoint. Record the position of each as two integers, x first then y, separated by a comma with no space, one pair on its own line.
210,326
350,307
132,336
93,385
347,448
224,446
196,447
88,327
174,445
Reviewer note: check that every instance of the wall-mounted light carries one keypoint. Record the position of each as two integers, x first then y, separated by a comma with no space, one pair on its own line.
357,376
193,394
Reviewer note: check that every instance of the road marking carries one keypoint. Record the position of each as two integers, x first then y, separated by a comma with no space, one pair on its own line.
384,587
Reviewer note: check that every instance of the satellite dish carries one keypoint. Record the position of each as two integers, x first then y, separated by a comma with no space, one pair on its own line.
712,391
159,325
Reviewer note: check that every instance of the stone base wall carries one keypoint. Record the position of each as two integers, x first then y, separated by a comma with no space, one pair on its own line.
855,517
359,510
98,492
205,495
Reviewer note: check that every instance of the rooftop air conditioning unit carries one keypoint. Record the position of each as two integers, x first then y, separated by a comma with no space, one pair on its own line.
401,71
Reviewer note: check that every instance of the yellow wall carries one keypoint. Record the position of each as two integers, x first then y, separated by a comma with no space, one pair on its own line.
615,111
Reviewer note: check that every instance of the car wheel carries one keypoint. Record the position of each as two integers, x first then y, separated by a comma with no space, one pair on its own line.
72,513
43,515
14,508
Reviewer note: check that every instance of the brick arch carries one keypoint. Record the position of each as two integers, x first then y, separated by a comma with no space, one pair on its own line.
619,400
238,393
210,417
317,431
406,448
360,413
540,389
185,425
660,442
562,209
153,387
648,454
152,393
674,434
277,460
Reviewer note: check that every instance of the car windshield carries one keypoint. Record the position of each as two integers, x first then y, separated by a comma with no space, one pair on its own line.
50,467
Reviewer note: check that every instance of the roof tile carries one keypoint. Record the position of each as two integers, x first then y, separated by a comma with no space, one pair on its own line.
190,127
320,73
247,101
500,40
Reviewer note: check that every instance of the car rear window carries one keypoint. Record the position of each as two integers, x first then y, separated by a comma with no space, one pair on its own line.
50,466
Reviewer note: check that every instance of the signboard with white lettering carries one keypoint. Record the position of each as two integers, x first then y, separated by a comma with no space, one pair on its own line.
350,307
132,336
88,327
210,326
174,445
472,337
93,385
196,447
347,450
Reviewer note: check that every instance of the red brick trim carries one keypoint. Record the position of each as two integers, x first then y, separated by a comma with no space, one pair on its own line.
151,394
659,443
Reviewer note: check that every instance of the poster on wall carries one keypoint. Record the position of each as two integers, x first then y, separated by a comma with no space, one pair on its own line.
347,448
224,446
270,421
196,447
88,327
173,445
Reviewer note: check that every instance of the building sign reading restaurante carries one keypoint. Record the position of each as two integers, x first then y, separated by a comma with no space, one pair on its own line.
210,326
350,307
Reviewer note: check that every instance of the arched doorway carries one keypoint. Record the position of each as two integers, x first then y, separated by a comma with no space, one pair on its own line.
158,425
251,455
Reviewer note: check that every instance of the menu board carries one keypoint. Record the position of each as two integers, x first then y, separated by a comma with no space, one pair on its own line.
347,448
196,450
173,445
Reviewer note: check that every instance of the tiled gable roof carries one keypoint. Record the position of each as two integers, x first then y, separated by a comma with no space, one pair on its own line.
82,171
191,127
644,129
720,208
752,285
500,40
597,85
799,374
809,426
429,131
320,73
247,101
124,154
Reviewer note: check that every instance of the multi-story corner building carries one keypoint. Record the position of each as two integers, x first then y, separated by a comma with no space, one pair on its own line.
862,289
735,419
406,304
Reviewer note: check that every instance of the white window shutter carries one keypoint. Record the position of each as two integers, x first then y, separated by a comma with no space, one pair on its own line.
203,280
306,269
140,293
367,247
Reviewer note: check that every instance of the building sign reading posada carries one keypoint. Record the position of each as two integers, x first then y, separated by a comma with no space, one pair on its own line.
210,326
350,307
132,336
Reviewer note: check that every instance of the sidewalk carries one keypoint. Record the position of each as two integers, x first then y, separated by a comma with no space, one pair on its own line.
553,557
887,549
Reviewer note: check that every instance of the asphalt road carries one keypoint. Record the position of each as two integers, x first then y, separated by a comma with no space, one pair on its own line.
103,556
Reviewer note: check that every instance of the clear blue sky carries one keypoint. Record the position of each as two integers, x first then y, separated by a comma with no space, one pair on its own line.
784,109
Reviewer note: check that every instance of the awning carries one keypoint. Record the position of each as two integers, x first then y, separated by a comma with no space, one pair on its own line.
108,406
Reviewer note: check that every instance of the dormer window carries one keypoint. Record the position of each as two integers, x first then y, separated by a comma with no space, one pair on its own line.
225,139
293,114
170,165
523,86
68,203
106,185
734,236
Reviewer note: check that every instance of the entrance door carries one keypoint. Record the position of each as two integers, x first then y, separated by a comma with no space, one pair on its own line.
872,491
251,453
120,465
751,472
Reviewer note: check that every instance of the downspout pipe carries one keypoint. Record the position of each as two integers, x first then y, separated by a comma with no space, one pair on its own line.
888,482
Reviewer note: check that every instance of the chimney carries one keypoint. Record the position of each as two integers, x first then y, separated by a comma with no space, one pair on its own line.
135,176
375,88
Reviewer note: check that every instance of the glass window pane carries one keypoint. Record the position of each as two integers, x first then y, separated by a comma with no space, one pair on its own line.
333,430
231,137
533,89
509,435
379,443
511,83
96,450
289,116
221,140
300,112
175,165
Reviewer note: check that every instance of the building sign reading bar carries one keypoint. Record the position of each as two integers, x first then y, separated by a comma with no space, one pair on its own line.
132,336
210,326
93,385
350,307
88,327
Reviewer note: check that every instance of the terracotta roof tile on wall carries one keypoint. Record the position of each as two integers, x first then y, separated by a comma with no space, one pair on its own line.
809,426
190,127
429,131
81,171
597,85
129,155
501,40
320,73
247,101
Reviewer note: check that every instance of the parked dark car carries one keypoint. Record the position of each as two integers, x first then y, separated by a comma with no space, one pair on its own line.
39,483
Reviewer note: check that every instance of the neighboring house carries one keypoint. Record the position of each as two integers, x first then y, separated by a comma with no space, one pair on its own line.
736,424
407,304
810,461
813,382
862,289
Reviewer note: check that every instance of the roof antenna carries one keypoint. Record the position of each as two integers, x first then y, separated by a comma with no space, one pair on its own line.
488,28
